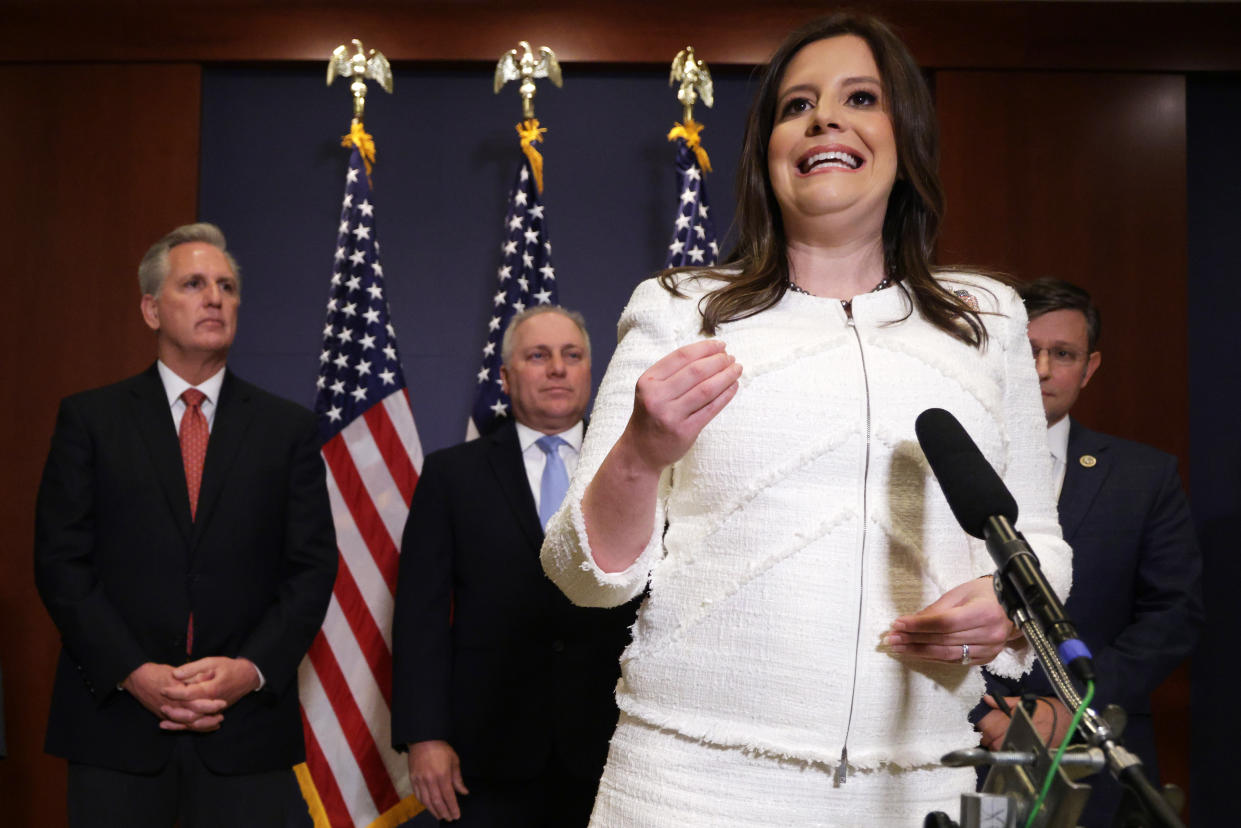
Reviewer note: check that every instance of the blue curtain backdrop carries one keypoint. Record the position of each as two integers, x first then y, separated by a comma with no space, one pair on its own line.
272,177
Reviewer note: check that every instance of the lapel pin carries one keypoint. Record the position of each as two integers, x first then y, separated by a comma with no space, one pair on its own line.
1088,461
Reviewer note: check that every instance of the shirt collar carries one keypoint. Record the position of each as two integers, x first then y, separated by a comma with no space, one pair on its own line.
174,385
526,436
1058,439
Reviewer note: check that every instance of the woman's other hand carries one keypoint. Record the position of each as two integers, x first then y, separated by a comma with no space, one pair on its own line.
965,616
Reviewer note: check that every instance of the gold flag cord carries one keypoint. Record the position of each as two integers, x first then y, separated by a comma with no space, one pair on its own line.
360,138
690,132
530,131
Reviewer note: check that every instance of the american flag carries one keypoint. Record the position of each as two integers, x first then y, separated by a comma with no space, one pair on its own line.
352,777
693,237
526,278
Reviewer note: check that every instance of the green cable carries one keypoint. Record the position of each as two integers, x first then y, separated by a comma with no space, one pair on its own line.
1055,763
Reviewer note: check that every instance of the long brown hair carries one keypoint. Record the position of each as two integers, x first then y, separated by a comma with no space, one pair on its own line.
915,205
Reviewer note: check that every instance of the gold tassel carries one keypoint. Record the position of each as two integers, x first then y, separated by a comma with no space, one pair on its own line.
360,138
530,131
690,132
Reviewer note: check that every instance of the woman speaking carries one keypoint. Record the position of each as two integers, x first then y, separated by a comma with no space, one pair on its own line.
815,615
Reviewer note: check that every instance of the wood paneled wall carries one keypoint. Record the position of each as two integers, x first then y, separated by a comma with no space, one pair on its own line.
96,162
1079,174
1082,176
990,34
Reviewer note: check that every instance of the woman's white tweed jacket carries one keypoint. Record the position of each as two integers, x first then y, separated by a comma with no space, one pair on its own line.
805,519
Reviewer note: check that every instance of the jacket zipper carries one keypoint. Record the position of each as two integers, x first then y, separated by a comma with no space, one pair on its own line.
842,769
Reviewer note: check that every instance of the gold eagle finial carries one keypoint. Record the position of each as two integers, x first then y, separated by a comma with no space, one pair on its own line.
360,66
695,80
525,67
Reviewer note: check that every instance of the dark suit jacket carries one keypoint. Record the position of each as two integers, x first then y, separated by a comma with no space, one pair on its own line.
1137,591
488,654
120,566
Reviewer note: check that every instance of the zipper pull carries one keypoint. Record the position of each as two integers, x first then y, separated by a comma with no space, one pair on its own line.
842,770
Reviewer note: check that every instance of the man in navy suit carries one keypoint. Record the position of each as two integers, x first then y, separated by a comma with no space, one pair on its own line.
503,691
1136,597
185,551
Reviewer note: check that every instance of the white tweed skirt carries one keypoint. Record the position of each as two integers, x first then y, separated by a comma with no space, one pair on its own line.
656,777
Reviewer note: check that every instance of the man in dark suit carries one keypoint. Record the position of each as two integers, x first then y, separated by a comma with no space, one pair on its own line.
1136,597
184,548
502,689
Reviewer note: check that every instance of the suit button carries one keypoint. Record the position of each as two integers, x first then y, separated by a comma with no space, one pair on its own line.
558,646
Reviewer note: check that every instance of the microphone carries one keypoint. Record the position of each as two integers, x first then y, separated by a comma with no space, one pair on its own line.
985,508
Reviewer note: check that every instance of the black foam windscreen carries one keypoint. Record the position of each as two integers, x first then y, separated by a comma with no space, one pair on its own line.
972,488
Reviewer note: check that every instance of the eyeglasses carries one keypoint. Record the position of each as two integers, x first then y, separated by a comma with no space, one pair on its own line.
1059,356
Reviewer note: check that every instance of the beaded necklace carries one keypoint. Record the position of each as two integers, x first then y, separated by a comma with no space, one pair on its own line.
885,282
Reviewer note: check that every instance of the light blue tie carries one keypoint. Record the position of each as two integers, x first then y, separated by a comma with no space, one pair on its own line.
555,478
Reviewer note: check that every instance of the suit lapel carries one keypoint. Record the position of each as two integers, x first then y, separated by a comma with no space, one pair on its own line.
154,420
1082,480
232,417
506,462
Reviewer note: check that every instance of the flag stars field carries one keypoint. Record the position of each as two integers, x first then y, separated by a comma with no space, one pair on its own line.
354,327
526,278
693,235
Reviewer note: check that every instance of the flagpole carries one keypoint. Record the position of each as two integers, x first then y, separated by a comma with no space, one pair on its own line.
694,240
526,276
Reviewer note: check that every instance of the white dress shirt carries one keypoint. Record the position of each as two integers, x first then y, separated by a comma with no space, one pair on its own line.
175,386
1058,444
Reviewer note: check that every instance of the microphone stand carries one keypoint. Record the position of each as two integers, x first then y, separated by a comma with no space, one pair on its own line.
1019,768
1147,807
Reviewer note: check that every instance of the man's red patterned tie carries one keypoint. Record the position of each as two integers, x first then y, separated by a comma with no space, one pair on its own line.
193,455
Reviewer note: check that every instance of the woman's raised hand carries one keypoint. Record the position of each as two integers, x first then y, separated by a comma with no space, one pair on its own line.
676,398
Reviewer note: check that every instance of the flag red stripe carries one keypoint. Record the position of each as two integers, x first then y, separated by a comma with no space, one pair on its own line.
392,450
353,725
369,637
321,772
370,524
